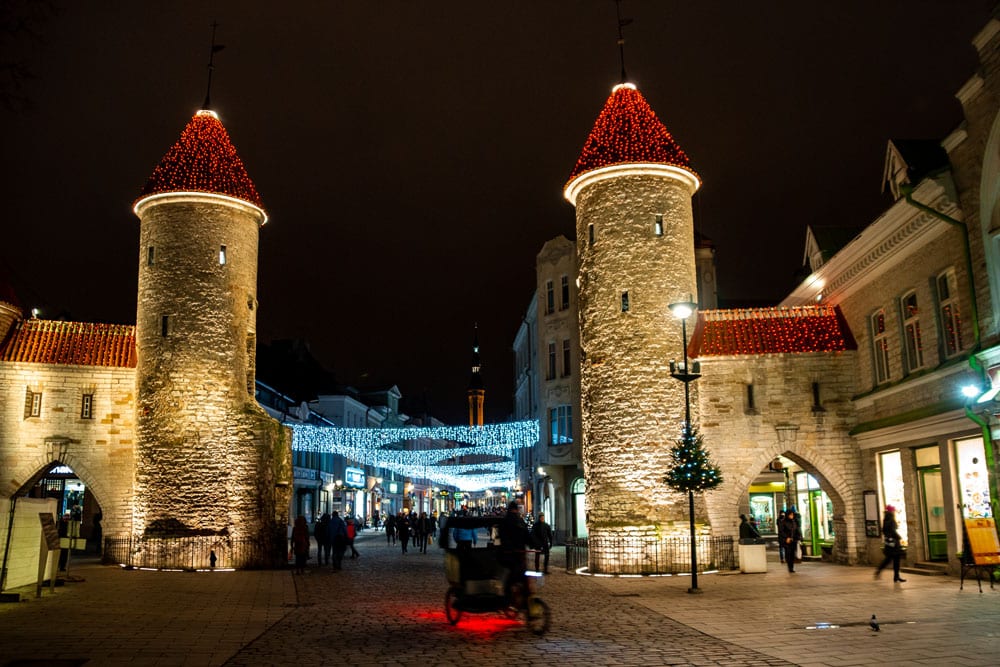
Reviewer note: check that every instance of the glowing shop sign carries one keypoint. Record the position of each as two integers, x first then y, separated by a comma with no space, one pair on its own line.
354,477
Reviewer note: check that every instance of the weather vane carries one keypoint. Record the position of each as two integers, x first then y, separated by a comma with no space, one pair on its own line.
621,38
211,66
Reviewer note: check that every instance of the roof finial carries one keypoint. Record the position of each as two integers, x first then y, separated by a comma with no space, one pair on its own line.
621,38
211,67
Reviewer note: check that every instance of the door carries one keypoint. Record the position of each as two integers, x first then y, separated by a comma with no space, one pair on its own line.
932,492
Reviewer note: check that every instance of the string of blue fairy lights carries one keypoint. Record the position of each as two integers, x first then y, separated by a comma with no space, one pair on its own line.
429,452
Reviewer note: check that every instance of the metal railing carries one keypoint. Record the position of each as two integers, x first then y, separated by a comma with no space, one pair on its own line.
645,555
194,552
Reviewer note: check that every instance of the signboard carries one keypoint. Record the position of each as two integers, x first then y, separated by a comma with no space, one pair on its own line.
354,477
459,495
50,534
393,487
983,541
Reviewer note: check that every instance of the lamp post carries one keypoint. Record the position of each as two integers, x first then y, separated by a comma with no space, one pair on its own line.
683,310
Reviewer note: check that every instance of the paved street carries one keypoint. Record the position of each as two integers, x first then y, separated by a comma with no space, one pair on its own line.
387,609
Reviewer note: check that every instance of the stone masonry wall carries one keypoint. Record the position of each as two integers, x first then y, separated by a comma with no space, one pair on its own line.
784,421
632,408
100,450
208,458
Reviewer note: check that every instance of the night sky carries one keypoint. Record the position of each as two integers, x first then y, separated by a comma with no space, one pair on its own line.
412,155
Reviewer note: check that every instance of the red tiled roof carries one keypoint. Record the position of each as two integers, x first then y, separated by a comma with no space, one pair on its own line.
75,343
771,331
628,132
203,160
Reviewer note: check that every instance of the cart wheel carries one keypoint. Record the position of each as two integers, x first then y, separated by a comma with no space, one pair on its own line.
452,613
538,616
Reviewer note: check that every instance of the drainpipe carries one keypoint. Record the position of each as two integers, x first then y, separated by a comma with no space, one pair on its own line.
974,362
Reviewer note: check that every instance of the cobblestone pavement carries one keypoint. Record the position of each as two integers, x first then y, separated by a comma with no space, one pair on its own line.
387,608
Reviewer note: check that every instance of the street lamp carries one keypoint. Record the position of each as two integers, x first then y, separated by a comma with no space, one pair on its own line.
683,373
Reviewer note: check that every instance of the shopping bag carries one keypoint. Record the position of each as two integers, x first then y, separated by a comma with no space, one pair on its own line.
798,552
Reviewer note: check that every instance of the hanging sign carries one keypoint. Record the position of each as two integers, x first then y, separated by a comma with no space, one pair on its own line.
354,477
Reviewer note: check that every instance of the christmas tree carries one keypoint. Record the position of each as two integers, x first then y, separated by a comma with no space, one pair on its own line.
691,469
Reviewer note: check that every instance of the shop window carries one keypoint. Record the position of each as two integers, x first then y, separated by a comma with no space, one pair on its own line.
880,347
912,342
950,320
890,471
973,479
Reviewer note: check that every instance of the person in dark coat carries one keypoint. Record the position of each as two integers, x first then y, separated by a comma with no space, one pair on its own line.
514,538
338,535
390,529
748,531
323,541
403,530
789,535
541,537
892,545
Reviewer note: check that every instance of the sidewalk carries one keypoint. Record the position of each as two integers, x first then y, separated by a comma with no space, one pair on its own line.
386,608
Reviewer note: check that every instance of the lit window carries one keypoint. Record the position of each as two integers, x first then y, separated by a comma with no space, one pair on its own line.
552,361
550,298
658,225
222,254
880,347
911,332
625,302
87,407
564,304
951,322
566,358
561,425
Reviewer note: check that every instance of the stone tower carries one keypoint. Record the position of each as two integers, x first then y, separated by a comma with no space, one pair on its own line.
632,188
209,461
476,392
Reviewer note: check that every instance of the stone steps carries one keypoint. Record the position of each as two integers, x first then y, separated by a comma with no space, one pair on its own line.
926,568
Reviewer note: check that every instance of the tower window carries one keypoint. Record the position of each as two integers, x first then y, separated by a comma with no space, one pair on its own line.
87,407
150,255
625,302
590,234
165,325
658,224
550,298
817,406
222,254
564,304
751,400
32,404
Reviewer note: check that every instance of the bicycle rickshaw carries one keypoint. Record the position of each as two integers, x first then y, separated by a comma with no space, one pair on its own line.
477,578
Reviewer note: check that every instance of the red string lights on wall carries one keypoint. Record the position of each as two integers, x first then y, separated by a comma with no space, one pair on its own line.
75,343
628,132
203,160
771,331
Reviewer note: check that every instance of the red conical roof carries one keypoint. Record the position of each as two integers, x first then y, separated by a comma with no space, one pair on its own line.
203,160
628,132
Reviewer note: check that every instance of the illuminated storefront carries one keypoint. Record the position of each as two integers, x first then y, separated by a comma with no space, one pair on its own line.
816,513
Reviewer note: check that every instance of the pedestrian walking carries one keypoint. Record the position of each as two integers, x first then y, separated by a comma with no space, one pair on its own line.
324,541
790,535
390,529
892,545
541,537
300,544
338,533
403,530
352,532
777,526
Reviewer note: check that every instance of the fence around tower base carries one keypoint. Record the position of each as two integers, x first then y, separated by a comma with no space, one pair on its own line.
194,552
649,555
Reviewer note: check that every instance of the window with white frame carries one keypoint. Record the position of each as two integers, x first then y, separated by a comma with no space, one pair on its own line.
561,425
32,404
87,407
912,342
880,347
951,321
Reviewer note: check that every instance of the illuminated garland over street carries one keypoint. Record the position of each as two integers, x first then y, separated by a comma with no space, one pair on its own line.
427,450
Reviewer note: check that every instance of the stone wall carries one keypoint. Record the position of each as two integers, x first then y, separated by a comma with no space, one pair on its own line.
632,409
100,450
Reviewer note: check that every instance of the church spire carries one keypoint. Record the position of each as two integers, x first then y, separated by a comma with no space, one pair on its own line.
476,393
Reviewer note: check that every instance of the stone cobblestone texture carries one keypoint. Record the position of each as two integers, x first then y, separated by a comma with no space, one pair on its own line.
387,609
